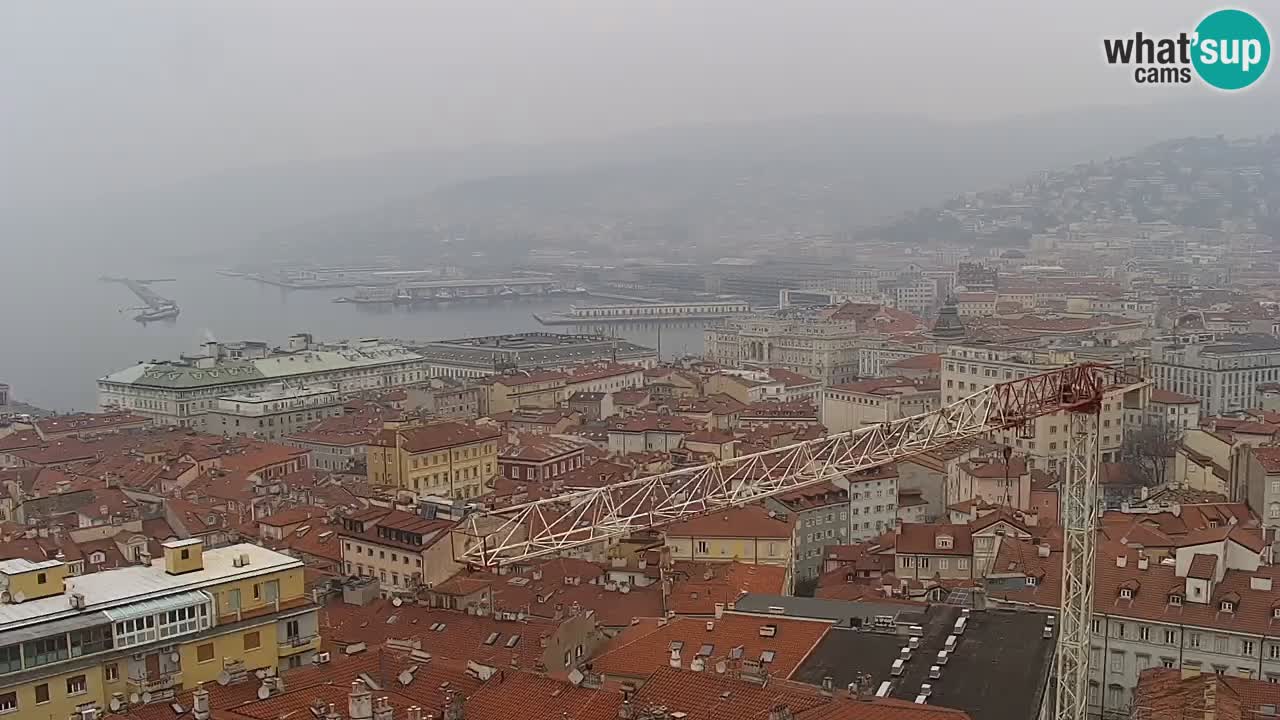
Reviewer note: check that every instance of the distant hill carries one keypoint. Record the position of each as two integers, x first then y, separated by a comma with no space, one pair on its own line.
705,185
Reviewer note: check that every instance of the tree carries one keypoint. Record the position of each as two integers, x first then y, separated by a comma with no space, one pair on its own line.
1149,450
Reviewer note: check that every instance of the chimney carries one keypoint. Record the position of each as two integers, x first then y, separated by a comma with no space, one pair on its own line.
781,712
200,703
675,659
625,712
453,709
382,710
1122,561
332,713
413,713
360,702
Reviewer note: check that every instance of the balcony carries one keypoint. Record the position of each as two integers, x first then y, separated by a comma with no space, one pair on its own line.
163,684
298,643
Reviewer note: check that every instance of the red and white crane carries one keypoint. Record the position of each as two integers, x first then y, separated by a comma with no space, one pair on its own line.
572,520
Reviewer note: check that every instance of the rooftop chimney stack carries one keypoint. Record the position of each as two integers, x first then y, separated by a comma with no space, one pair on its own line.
382,710
360,702
200,703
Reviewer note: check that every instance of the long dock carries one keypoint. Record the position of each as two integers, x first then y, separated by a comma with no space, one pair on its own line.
156,307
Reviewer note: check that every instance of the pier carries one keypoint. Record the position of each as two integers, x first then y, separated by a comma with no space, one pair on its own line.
155,307
455,290
645,313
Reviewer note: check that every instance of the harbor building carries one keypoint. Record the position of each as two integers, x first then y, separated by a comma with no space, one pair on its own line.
183,392
273,413
477,357
116,638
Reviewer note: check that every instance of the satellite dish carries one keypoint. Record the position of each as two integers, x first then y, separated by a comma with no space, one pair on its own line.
224,678
263,692
133,698
175,658
19,596
146,698
115,705
396,601
405,677
260,673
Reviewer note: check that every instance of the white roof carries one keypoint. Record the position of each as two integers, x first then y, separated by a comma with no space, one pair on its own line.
17,566
112,588
314,361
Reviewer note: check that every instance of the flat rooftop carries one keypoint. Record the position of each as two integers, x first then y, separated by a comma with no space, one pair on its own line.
111,588
531,349
1000,669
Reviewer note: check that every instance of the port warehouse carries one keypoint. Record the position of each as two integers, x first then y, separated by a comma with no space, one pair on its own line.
183,392
455,289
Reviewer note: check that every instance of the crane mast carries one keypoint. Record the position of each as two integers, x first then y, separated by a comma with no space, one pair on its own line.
570,520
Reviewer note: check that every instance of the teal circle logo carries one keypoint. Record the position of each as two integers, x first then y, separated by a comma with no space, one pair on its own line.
1232,49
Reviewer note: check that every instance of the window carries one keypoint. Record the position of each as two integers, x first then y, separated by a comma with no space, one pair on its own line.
10,659
1126,593
963,563
1096,626
111,672
45,650
1030,580
252,640
1228,606
1170,637
1246,647
1117,661
77,685
702,546
204,653
90,640
42,693
1168,662
1273,651
8,702
1144,633
1193,640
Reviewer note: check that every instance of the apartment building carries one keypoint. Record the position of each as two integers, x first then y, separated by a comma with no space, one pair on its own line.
402,551
140,633
752,534
1209,606
925,552
450,459
873,501
512,391
968,368
274,412
540,457
822,519
1172,412
1224,375
849,406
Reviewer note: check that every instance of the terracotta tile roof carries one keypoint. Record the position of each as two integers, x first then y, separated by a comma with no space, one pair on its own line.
19,440
260,456
526,696
521,378
437,436
630,397
1163,694
539,448
696,588
1168,397
597,474
922,539
879,386
637,655
87,423
751,521
931,361
813,496
987,468
791,379
1203,566
462,639
656,423
1268,457
711,696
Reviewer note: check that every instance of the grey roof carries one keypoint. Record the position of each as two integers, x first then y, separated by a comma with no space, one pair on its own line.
999,670
841,611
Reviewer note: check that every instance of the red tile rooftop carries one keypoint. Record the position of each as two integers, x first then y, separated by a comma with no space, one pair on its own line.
751,521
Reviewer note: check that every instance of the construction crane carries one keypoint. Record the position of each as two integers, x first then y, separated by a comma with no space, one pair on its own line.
572,520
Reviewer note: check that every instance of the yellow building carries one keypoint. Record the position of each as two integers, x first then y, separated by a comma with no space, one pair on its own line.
449,459
752,534
139,634
539,388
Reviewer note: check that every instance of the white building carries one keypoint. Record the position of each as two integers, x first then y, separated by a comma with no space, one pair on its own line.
273,413
1224,376
966,369
182,392
850,406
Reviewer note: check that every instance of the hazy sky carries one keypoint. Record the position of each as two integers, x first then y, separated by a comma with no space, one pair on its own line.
125,94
